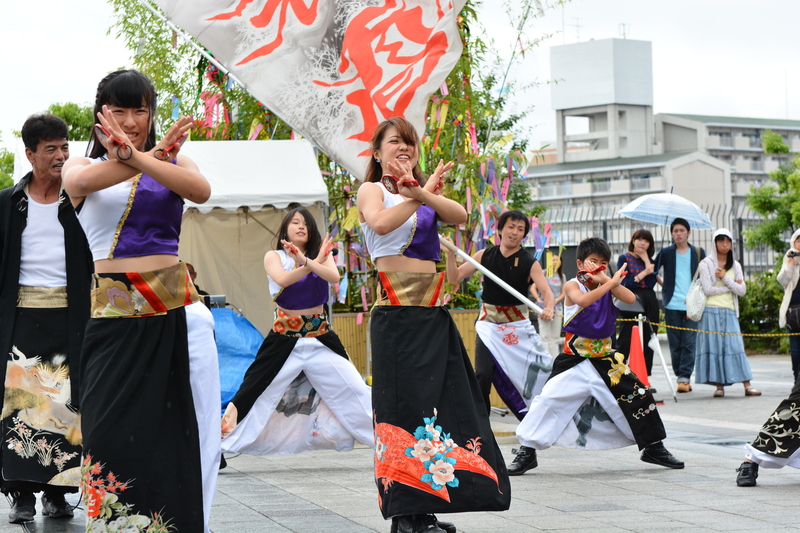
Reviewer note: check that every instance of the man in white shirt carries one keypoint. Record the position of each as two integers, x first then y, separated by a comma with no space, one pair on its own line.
44,267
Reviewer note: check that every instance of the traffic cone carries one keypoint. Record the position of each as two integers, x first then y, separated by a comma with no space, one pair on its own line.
636,357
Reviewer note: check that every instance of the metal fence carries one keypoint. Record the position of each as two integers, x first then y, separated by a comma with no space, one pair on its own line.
577,223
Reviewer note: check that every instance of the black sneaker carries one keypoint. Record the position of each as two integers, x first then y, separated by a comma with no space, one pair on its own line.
447,526
416,523
524,461
657,454
56,506
748,472
23,507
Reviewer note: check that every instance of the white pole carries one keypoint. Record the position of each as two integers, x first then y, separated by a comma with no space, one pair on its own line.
493,277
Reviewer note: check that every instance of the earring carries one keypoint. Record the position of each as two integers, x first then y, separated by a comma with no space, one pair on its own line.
377,160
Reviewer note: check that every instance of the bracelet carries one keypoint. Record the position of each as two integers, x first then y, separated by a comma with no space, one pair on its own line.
306,262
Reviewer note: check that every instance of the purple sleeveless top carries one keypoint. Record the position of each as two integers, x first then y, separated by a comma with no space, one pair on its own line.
598,321
425,243
153,224
306,293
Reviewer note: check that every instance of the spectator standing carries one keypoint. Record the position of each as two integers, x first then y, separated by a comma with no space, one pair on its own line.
720,358
550,330
679,261
640,280
790,306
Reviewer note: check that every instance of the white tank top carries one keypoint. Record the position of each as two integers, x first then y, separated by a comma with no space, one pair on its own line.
396,241
43,259
570,310
100,213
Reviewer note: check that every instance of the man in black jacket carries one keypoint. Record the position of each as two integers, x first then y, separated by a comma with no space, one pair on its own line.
45,280
680,262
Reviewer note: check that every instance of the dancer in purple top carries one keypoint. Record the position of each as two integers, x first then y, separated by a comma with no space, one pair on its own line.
592,400
150,389
434,447
302,392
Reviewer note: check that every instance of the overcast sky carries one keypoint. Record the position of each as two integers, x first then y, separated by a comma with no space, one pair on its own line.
716,57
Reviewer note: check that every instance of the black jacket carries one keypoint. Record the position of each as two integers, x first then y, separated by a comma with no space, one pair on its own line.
666,258
13,219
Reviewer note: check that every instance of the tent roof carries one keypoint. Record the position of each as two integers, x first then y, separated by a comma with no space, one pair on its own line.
249,174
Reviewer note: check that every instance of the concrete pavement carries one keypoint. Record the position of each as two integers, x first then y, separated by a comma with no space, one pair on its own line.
570,491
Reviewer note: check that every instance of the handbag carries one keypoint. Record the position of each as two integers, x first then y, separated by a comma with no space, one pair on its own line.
793,319
695,299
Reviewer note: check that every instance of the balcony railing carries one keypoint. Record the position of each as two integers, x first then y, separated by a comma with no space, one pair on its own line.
601,186
639,184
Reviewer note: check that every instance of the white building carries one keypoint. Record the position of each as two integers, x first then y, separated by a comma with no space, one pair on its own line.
611,148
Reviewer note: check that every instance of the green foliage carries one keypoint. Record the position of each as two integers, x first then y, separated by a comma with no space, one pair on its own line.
779,202
759,310
6,168
79,119
187,84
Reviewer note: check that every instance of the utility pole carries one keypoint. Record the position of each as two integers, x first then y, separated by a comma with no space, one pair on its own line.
577,27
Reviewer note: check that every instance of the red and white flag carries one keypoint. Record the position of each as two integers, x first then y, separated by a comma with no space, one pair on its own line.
332,69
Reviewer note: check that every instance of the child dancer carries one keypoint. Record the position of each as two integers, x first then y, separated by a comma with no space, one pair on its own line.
590,380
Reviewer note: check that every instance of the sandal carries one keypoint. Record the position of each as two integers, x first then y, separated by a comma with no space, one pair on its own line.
720,392
750,391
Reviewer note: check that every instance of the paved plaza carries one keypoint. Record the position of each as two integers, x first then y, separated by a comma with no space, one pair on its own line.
570,491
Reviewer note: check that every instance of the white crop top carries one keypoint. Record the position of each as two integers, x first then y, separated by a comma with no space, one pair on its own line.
396,241
288,264
43,258
100,214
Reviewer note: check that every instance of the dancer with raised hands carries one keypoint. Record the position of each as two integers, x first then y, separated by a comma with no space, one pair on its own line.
592,400
508,350
150,378
434,447
302,392
505,334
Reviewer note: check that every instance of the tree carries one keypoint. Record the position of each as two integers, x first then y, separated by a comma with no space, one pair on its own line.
6,168
79,119
778,202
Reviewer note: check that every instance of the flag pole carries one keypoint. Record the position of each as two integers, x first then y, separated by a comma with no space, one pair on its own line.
511,290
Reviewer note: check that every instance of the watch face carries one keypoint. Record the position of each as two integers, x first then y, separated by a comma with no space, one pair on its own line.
390,182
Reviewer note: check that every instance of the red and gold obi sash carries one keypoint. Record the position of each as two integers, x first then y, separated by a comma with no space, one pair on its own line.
589,348
140,294
410,289
301,326
500,314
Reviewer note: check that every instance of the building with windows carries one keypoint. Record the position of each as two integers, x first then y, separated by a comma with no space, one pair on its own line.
734,140
610,148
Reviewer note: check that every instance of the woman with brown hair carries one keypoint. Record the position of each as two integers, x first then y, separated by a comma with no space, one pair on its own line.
302,392
434,447
640,280
150,376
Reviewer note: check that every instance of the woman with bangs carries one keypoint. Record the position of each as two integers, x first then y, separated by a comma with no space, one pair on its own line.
434,447
150,389
721,359
302,392
640,280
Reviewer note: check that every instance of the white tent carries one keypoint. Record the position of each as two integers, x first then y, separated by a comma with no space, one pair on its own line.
225,239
